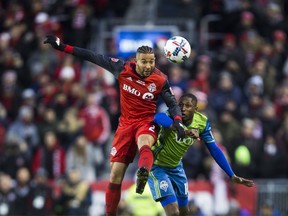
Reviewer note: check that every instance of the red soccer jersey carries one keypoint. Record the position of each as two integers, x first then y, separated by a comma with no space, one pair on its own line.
138,96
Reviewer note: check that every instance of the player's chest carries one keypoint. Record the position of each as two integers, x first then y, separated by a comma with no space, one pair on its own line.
143,89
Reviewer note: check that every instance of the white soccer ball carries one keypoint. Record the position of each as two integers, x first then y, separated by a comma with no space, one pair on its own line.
177,49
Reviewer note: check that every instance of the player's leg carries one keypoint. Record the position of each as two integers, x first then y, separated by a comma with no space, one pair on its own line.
145,162
183,206
170,206
122,153
180,185
146,136
162,189
113,192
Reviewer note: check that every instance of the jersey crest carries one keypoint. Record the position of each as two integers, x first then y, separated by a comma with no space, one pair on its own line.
152,87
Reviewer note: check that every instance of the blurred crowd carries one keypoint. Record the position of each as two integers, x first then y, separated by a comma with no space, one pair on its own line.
58,114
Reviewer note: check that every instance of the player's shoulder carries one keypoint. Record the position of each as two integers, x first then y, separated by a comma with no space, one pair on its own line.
200,117
159,73
130,65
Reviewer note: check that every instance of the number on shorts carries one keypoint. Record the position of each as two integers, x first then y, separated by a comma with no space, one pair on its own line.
152,128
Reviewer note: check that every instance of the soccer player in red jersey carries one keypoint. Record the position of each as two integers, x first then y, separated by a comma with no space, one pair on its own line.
140,85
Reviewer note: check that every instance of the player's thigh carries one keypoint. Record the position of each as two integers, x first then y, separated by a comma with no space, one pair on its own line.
159,183
179,181
147,133
124,147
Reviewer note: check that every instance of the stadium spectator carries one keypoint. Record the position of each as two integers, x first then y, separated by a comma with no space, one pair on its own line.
81,156
272,155
177,77
47,122
10,94
24,130
50,156
8,197
140,85
167,180
96,128
248,149
76,194
226,96
229,127
69,128
22,188
41,199
14,156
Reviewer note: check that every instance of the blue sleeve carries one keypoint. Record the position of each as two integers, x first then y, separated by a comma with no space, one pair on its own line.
206,135
220,158
163,120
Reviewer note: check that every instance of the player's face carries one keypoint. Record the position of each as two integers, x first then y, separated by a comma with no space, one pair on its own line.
188,108
145,64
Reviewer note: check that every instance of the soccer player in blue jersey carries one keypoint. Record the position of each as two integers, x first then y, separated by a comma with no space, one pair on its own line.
167,179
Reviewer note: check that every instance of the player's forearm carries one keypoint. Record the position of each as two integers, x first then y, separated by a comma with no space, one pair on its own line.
163,120
171,102
220,158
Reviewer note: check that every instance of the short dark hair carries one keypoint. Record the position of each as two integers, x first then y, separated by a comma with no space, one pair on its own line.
189,95
145,50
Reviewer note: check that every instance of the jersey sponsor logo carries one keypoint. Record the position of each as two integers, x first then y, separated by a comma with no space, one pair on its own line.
145,96
148,96
187,140
114,59
113,151
164,185
152,87
140,82
131,90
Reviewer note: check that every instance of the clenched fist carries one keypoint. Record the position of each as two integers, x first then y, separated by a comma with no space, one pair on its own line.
54,42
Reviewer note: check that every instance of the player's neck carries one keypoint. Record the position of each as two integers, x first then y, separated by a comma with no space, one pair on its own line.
188,122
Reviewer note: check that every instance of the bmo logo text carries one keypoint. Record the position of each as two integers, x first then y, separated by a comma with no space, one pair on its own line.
146,96
131,90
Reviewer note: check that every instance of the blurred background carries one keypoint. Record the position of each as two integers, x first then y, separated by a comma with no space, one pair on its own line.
58,114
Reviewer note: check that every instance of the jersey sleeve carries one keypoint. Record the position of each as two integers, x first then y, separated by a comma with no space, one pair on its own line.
163,120
115,66
170,100
206,135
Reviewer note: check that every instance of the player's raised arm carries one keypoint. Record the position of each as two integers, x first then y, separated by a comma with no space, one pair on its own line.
173,109
115,66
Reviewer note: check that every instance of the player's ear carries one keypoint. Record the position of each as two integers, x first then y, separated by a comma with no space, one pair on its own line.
196,108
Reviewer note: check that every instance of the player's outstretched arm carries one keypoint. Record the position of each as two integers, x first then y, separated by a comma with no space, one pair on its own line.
115,66
240,180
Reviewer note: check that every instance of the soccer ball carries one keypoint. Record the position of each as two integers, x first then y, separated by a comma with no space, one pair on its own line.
177,49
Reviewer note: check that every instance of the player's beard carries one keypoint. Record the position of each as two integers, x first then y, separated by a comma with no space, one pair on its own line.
147,73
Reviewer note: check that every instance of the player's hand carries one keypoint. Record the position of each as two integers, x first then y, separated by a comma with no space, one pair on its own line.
194,133
54,42
177,124
240,180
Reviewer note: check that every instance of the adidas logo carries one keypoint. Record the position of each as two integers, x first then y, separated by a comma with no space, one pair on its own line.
129,78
